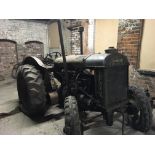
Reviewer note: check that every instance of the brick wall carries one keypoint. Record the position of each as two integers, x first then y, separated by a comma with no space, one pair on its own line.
33,48
66,37
75,35
129,39
72,37
129,43
75,42
20,32
7,56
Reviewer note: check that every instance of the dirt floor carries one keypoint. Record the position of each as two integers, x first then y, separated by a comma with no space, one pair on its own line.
19,124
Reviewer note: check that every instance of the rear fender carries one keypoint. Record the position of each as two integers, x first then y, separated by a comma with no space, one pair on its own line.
34,61
31,60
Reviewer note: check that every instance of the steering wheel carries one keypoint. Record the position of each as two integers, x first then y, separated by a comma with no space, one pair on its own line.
54,55
50,57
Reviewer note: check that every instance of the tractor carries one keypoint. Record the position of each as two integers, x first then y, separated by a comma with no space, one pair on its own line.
95,83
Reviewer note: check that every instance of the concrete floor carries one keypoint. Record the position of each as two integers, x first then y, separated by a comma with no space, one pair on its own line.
20,124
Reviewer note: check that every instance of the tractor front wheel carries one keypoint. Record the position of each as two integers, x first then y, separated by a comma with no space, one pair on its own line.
73,125
139,109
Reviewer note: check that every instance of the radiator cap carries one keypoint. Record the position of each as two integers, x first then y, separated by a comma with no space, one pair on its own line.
111,50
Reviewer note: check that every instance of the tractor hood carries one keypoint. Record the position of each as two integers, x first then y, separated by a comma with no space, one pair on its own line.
93,61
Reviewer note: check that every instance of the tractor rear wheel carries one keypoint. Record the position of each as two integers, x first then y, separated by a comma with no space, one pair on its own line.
31,91
73,125
139,109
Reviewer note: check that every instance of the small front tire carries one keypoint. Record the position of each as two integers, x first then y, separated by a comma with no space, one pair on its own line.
139,109
73,125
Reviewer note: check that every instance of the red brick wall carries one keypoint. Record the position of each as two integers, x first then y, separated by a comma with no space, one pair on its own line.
8,54
7,57
129,39
17,32
129,43
31,48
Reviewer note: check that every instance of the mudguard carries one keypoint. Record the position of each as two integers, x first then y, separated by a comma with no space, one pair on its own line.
31,60
45,70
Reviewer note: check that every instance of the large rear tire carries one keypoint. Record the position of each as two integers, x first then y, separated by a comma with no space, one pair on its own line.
73,125
139,109
31,91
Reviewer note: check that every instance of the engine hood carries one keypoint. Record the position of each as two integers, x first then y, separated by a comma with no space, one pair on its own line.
93,61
